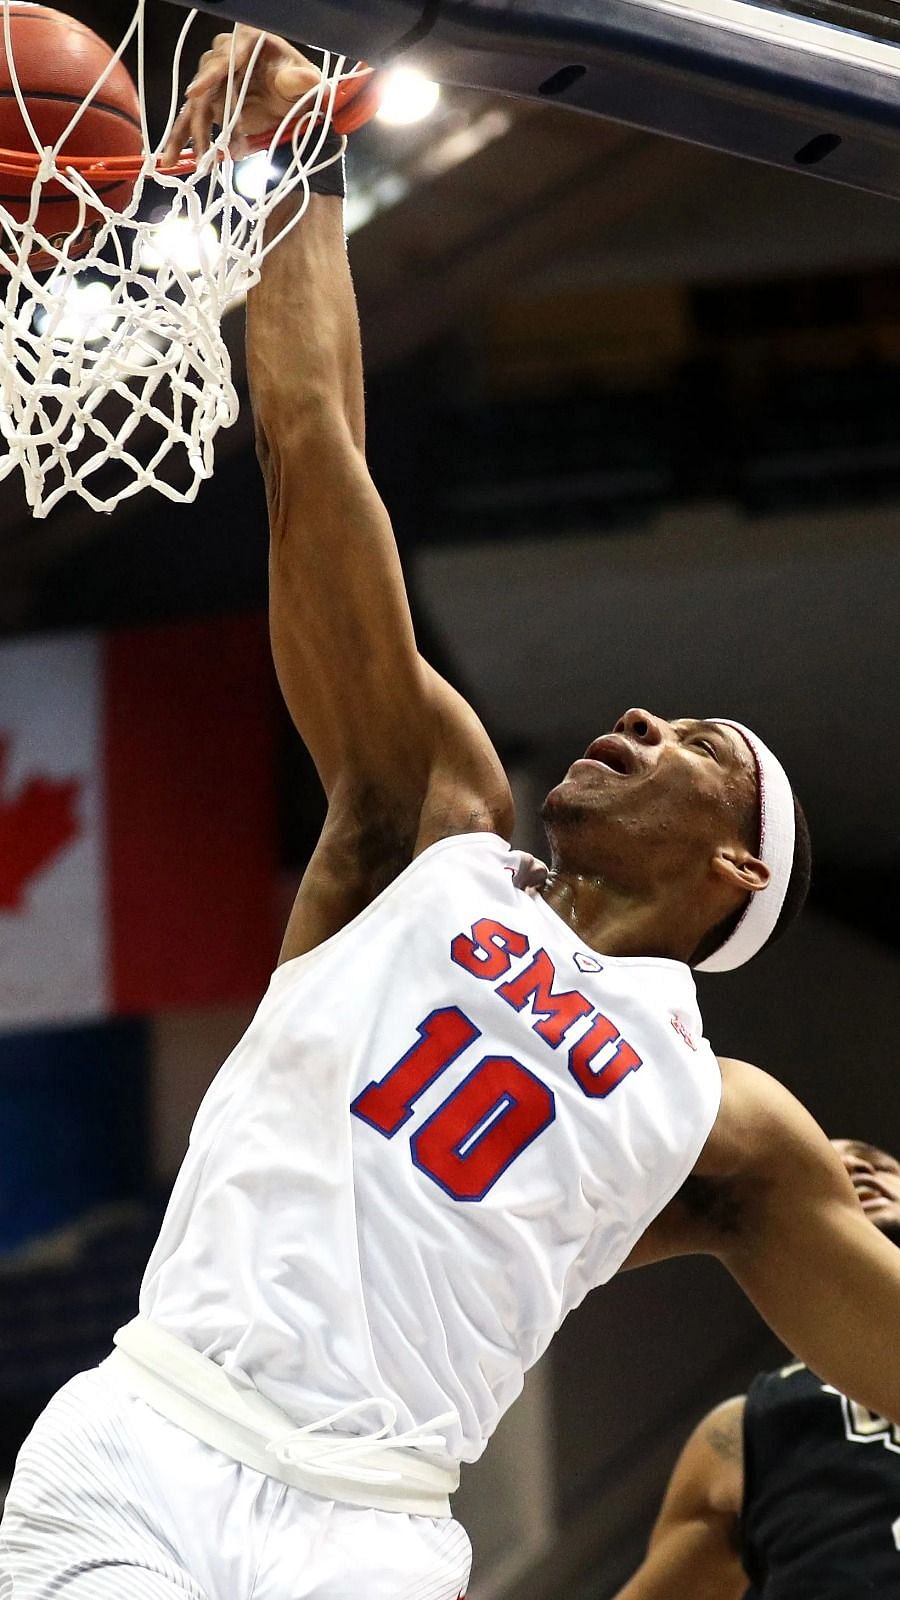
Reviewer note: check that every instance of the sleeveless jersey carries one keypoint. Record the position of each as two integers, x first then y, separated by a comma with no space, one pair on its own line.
442,1128
821,1513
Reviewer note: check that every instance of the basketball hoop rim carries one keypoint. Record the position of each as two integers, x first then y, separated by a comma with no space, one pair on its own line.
356,100
112,348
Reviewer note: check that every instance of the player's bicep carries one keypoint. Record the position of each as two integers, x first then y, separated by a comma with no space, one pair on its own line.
373,829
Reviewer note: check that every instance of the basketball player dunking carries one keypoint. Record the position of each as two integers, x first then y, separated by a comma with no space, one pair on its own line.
465,1100
792,1487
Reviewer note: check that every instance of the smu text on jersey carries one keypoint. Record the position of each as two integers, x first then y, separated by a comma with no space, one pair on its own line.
493,1115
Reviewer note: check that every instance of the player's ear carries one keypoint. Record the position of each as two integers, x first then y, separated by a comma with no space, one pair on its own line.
739,866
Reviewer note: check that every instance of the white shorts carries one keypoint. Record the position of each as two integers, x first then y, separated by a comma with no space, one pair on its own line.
110,1501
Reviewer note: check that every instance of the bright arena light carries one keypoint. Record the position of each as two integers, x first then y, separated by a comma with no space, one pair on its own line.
253,175
408,97
86,312
177,242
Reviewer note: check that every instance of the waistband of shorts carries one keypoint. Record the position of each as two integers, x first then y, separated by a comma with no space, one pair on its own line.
375,1470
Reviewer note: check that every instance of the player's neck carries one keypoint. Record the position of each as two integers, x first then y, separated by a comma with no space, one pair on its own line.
618,924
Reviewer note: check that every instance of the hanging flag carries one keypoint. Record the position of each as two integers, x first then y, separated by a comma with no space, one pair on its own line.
137,825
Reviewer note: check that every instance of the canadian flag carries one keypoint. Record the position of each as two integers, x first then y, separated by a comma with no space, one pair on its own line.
137,833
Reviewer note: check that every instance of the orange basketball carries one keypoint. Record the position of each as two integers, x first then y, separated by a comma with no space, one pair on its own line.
58,60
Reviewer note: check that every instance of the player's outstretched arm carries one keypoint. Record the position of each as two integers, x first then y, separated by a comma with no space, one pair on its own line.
402,758
693,1549
797,1241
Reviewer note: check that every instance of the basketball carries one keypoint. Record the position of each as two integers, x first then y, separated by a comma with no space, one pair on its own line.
57,62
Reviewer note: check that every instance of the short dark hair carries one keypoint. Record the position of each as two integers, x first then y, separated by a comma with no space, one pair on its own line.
794,900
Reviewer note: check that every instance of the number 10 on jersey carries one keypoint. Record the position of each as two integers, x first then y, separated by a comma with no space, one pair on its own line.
482,1126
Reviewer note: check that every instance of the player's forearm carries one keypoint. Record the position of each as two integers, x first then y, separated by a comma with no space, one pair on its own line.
829,1285
820,1274
693,1560
342,634
303,349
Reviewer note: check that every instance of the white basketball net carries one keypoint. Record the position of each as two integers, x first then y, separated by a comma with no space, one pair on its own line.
114,375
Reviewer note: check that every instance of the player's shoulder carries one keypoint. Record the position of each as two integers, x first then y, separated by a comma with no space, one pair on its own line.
720,1435
762,1142
760,1125
708,1476
722,1429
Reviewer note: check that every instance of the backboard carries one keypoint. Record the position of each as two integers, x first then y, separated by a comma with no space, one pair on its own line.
818,94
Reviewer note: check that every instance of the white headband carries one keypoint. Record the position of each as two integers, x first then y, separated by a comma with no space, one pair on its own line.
776,850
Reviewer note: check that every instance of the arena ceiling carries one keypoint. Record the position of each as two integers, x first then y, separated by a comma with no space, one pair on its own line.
497,200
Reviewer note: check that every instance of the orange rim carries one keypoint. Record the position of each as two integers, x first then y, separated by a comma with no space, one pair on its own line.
356,101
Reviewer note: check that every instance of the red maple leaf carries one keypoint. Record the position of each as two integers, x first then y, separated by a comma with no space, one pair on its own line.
35,825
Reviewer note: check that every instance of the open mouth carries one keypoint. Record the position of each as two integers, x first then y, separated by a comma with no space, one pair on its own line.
613,751
870,1195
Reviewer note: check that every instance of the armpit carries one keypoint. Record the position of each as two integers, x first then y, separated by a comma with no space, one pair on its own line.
381,840
704,1213
712,1204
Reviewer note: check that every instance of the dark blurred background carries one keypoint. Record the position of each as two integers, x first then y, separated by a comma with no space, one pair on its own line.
633,407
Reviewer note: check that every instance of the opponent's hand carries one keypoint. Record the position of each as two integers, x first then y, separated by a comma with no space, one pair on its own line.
281,77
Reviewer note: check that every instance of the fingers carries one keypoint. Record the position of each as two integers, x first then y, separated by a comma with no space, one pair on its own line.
205,95
200,118
192,126
177,139
227,60
295,80
282,77
187,127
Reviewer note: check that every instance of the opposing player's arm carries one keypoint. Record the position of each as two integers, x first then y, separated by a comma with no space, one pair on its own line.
402,758
693,1548
794,1236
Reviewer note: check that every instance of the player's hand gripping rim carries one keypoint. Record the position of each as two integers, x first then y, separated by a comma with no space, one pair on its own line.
279,77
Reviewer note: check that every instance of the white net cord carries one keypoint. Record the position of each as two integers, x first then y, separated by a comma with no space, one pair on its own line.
114,374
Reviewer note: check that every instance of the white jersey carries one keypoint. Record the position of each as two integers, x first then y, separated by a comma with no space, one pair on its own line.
442,1128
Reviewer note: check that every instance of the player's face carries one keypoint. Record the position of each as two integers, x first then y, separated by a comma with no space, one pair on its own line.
875,1176
651,796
